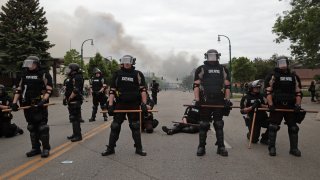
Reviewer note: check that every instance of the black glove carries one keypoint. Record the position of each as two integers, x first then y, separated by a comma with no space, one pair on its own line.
271,108
14,107
40,104
227,104
256,104
297,108
196,104
65,102
111,110
144,108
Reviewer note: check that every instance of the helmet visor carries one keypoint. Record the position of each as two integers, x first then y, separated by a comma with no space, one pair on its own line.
67,70
126,60
256,84
282,63
212,56
27,63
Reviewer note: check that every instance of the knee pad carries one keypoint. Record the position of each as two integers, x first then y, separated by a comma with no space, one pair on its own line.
103,106
31,128
204,125
44,128
218,124
274,127
293,129
155,123
72,118
115,126
134,125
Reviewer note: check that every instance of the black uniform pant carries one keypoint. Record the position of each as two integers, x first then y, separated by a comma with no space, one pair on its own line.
6,128
313,94
275,121
260,122
154,97
98,98
37,119
134,125
177,128
208,115
74,109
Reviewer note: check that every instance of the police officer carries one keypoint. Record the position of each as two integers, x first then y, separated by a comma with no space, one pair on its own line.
129,89
212,87
154,91
97,89
35,88
191,115
252,100
283,90
74,99
6,128
148,122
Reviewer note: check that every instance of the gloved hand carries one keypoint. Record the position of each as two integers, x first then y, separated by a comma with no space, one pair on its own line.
256,104
65,102
144,108
297,108
111,110
271,108
196,104
40,104
14,107
228,104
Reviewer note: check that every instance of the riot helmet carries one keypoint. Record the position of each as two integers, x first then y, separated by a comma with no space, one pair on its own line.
212,55
254,84
96,70
282,62
72,67
2,90
128,59
32,62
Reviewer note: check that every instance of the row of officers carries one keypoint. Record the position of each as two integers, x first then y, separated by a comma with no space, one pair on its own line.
128,92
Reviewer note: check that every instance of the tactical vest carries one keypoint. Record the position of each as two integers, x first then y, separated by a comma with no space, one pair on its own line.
193,115
127,85
213,81
284,88
33,83
97,83
3,101
70,85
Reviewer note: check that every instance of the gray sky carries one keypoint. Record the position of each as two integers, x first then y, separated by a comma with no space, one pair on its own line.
164,34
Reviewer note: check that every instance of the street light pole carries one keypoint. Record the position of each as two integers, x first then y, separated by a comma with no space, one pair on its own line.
82,63
230,67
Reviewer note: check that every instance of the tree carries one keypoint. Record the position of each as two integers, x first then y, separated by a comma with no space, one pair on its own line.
263,67
112,66
243,70
22,33
301,25
72,56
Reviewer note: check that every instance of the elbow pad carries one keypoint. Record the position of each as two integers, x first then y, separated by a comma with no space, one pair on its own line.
196,85
143,89
227,86
76,91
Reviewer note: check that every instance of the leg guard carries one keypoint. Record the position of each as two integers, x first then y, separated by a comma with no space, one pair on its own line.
136,135
114,134
218,126
265,137
293,137
190,129
34,137
273,128
204,127
94,112
77,136
44,136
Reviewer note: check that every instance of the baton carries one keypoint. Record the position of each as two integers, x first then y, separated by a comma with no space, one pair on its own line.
128,111
27,107
288,110
198,125
252,127
212,106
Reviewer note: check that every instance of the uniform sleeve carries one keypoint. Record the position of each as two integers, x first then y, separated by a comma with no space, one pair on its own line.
142,81
298,82
226,74
242,102
267,81
113,80
48,79
198,73
78,83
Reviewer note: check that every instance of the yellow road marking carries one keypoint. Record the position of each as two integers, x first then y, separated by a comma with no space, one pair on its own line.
56,152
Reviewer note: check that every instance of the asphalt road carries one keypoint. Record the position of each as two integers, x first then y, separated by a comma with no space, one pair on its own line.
169,157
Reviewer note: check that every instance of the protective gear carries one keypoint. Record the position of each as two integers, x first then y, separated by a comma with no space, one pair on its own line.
212,55
33,152
128,59
41,104
72,67
273,128
108,151
111,110
271,108
299,117
284,88
256,104
155,123
27,63
282,62
96,70
297,108
128,87
212,88
2,90
14,107
144,108
227,107
254,84
201,151
293,137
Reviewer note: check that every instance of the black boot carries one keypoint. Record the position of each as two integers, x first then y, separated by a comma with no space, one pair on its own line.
218,126
141,152
105,117
33,152
136,135
108,151
265,138
166,130
202,143
92,119
272,139
293,137
45,153
76,131
94,112
44,137
34,137
70,137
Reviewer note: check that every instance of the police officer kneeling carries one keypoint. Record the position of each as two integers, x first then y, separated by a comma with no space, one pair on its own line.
129,89
73,98
33,83
283,91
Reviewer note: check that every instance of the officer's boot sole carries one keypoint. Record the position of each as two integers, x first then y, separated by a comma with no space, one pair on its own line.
141,152
222,151
272,151
75,139
33,152
295,152
108,152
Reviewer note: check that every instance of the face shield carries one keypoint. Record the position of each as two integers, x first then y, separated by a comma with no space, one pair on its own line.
126,60
282,63
27,63
256,84
212,57
67,70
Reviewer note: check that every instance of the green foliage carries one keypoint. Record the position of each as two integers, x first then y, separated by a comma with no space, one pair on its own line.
263,67
243,70
72,56
22,33
187,81
301,25
317,77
